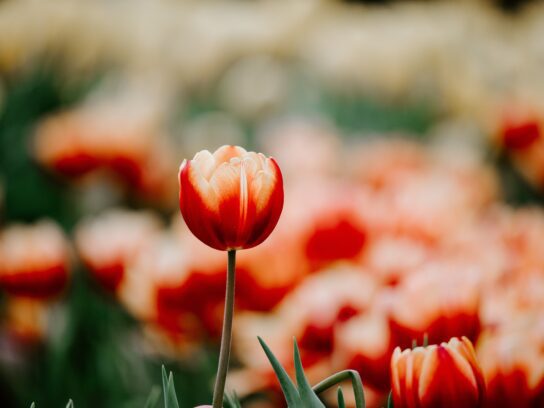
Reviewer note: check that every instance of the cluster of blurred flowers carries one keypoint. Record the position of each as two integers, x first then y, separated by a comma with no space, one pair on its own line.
466,58
382,242
468,53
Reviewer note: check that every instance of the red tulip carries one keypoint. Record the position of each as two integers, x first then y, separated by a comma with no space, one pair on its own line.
445,375
109,242
512,360
34,260
231,199
439,301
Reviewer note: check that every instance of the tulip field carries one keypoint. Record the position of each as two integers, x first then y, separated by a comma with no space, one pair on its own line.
271,204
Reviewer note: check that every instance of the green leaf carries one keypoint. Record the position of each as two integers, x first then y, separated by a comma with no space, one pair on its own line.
232,401
337,378
341,403
390,400
170,398
307,395
289,390
70,404
153,397
33,405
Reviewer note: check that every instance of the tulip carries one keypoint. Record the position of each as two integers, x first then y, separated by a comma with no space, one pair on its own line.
34,260
445,375
512,361
231,199
107,243
437,304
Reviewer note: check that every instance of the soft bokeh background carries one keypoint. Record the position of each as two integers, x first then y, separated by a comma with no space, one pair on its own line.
409,134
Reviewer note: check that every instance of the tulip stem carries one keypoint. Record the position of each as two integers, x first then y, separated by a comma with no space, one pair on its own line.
226,336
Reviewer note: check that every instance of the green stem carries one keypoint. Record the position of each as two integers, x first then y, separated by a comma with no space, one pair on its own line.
342,376
226,336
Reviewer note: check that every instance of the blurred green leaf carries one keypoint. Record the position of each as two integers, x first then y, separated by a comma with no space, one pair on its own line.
70,404
154,397
170,398
232,401
390,400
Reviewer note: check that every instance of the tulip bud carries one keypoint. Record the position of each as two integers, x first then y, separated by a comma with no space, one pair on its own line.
445,375
231,199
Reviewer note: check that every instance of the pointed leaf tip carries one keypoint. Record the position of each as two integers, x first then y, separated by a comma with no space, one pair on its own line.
169,391
289,390
305,391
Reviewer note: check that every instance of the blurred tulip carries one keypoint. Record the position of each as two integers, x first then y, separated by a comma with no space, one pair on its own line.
445,375
311,313
365,344
117,128
392,258
437,303
108,242
325,215
519,126
26,319
513,364
322,303
181,295
35,260
231,199
415,194
306,148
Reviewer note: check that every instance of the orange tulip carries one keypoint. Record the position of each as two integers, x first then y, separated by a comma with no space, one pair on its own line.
445,375
231,199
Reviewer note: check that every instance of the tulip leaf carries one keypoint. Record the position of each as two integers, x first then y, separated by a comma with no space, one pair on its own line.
232,401
337,378
33,405
341,403
170,398
153,398
289,390
390,400
304,389
70,404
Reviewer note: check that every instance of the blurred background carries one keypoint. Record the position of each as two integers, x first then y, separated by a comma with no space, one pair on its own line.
410,138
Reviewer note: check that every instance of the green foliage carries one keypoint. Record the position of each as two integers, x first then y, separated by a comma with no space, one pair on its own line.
340,394
169,392
390,400
154,397
303,395
231,401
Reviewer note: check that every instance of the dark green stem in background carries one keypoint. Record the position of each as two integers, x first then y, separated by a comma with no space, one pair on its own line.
226,336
